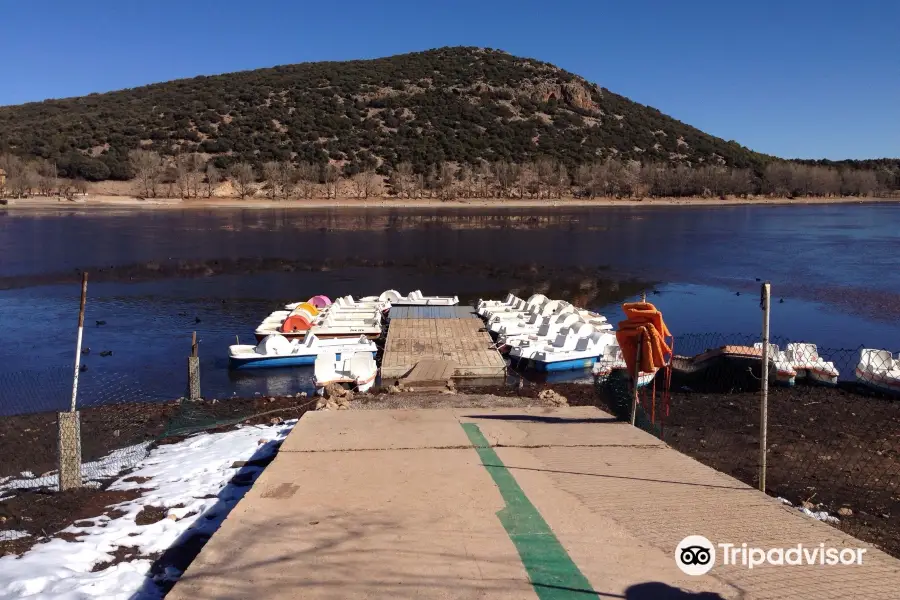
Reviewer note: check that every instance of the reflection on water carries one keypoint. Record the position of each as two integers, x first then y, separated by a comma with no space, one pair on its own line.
834,265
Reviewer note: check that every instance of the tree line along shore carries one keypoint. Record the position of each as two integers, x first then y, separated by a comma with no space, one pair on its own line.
194,175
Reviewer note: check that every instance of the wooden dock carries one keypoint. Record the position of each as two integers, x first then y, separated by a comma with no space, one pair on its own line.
452,334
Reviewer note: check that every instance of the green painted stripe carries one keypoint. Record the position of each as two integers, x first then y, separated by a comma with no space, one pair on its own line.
554,575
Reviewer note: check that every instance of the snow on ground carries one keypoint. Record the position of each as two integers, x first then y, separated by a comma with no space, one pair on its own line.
189,478
104,468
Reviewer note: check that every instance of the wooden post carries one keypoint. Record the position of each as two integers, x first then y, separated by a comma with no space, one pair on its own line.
194,370
68,446
765,295
637,376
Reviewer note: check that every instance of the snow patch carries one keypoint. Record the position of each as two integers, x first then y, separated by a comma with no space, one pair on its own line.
190,478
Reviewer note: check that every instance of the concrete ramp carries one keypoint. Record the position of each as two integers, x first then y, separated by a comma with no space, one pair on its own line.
500,503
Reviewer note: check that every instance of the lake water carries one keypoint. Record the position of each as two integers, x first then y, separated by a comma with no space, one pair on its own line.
835,266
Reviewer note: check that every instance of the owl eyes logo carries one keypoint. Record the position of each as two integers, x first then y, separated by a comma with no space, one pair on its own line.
695,555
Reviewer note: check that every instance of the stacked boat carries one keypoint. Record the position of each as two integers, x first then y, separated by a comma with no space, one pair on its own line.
344,318
546,335
336,337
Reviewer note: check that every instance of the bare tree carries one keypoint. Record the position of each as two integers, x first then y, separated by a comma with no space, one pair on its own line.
500,178
584,180
148,169
81,186
370,183
15,173
47,176
287,178
432,181
270,174
486,178
403,179
308,176
418,185
213,178
188,174
527,180
464,179
546,169
242,177
357,185
561,181
778,179
445,180
332,176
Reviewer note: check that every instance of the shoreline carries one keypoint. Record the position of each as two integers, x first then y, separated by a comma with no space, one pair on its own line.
109,201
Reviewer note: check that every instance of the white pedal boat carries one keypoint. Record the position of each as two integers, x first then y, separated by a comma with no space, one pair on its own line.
416,298
532,325
544,309
612,361
879,369
518,307
335,321
357,369
277,351
545,331
785,373
484,305
567,352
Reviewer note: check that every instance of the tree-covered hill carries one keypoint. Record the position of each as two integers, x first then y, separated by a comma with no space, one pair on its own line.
465,105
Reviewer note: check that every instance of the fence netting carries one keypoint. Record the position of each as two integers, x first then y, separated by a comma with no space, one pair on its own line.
833,427
120,423
833,424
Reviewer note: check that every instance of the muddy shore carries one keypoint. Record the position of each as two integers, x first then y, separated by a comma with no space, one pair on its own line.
101,200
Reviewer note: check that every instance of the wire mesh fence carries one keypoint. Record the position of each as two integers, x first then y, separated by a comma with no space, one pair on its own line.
833,424
120,423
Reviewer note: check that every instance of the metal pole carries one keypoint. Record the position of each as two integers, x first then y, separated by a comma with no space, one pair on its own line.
84,278
637,376
765,296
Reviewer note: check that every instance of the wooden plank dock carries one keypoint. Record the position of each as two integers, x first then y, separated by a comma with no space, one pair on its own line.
451,334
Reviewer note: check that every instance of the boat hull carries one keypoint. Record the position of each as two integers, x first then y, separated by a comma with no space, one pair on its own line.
273,362
573,364
877,381
299,335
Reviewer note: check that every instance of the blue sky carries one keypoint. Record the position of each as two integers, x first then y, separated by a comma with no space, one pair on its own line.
794,78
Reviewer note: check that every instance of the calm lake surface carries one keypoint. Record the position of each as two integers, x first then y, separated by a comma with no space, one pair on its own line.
835,266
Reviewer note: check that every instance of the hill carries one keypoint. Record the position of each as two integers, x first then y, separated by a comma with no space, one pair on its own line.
445,122
464,105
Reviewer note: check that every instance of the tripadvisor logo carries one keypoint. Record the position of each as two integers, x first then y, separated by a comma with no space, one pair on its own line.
696,555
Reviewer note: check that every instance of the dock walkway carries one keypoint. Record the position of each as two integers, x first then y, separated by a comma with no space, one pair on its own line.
446,333
507,503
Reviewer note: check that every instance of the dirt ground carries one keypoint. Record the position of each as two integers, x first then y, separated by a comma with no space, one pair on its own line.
28,442
832,448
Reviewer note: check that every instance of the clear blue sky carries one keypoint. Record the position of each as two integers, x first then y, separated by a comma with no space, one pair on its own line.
795,78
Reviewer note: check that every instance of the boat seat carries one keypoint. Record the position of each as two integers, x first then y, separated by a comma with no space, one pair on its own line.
582,344
876,360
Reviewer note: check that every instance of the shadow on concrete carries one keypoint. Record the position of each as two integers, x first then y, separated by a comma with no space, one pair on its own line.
543,419
704,485
168,566
656,590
